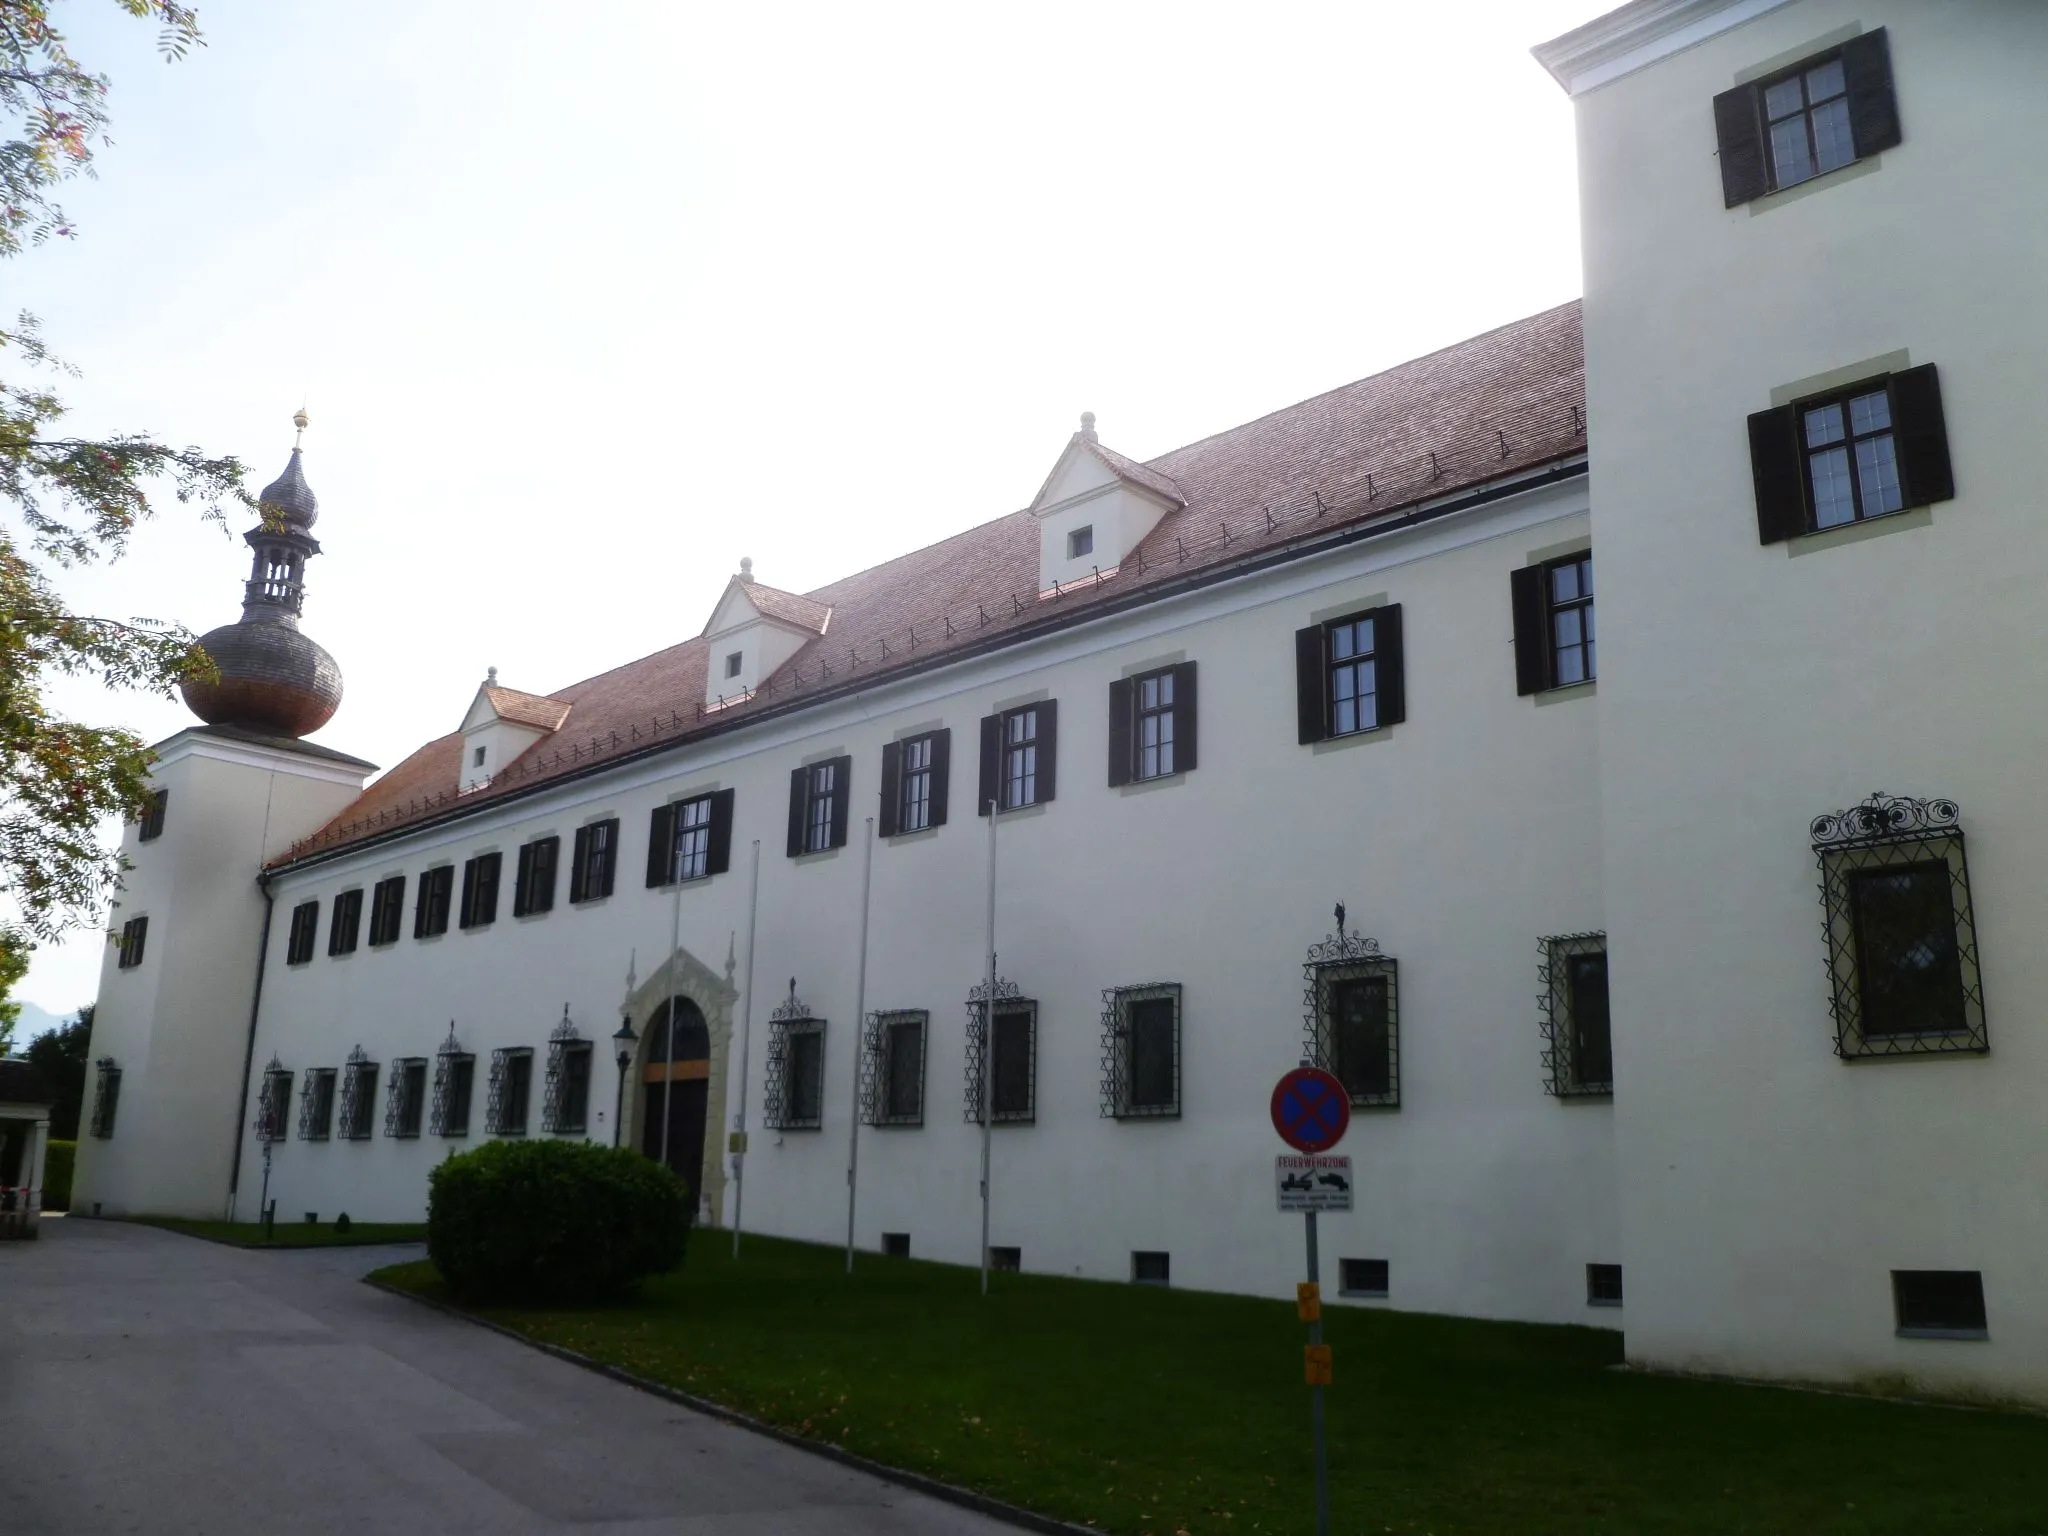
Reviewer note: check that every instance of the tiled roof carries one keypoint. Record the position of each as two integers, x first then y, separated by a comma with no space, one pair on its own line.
788,607
1495,406
1138,474
532,709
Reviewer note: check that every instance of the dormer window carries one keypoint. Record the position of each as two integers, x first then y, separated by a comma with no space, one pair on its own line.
477,757
733,661
1093,511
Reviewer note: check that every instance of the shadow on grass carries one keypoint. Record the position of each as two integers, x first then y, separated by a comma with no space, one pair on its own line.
1139,1409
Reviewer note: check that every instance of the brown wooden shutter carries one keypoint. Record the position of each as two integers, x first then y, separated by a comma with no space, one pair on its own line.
487,888
466,914
799,782
991,763
141,938
611,855
422,903
522,880
1048,749
842,798
718,845
1311,685
661,845
1184,717
1121,692
1740,134
1390,664
547,853
1779,469
942,774
1873,104
1925,474
579,862
1532,643
892,787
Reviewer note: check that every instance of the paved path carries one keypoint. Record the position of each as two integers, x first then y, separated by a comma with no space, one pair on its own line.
154,1383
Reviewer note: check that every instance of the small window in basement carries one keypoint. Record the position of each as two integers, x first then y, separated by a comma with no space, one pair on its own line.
1939,1303
1361,1277
1603,1285
1081,542
896,1245
733,663
1151,1268
1005,1258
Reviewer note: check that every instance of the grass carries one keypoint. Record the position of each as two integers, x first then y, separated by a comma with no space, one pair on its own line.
249,1234
1143,1410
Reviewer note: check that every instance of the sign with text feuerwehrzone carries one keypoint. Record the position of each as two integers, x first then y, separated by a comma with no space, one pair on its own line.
1317,1182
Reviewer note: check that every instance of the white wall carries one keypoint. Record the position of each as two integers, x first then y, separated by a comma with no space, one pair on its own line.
178,1023
1456,841
1769,1188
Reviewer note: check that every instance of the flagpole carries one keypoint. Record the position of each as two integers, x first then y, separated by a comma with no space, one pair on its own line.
739,1119
988,1043
860,1015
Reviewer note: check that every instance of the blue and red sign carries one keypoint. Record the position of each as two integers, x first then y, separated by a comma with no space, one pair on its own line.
1311,1110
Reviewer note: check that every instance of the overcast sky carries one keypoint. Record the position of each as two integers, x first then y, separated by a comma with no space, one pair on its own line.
587,302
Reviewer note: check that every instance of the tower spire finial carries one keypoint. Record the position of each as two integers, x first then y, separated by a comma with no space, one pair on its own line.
301,421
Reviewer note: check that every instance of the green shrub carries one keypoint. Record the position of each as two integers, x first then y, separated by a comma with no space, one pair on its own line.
57,1166
554,1221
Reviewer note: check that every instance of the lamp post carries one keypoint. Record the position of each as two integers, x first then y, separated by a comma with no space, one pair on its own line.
625,1040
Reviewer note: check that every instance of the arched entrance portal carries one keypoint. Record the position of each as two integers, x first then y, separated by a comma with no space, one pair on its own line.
675,1082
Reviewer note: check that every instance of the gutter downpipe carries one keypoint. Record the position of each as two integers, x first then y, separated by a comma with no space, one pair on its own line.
249,1050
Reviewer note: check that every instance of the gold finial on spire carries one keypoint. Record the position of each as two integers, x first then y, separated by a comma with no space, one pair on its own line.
300,420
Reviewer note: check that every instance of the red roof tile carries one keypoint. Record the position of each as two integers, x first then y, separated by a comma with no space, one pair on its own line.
788,607
527,708
1497,405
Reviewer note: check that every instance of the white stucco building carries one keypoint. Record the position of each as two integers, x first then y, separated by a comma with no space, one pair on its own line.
1342,654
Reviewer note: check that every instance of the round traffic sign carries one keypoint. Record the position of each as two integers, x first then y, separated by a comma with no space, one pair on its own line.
1311,1110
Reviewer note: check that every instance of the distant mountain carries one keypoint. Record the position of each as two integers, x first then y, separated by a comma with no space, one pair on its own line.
35,1021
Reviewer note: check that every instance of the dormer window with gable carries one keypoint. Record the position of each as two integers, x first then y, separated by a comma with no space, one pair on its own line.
754,632
501,724
1093,510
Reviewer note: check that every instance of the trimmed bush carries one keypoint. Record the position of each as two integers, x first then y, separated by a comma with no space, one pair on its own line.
58,1162
557,1222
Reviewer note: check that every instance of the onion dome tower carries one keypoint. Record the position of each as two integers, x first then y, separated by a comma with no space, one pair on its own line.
273,680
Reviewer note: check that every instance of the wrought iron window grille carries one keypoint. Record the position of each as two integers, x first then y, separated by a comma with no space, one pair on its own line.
274,1104
404,1100
1340,961
1901,934
358,1095
316,1105
795,1095
565,1102
511,1081
454,1073
892,1067
1578,1053
1141,1052
1013,1102
106,1096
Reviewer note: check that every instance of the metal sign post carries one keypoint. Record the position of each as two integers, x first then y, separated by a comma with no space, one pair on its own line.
1312,1111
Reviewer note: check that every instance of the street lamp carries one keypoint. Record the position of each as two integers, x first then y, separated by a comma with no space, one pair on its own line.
625,1039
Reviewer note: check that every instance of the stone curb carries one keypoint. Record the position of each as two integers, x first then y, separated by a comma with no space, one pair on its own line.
951,1493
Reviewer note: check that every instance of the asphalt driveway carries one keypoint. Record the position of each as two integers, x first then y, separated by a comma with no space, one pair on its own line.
155,1383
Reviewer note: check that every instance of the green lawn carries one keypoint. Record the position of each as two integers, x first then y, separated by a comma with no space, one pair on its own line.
292,1234
1144,1410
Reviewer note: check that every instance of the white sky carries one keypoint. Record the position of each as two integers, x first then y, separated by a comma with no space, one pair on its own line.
588,302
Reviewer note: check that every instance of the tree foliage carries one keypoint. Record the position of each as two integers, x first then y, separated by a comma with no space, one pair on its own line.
70,500
60,1056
